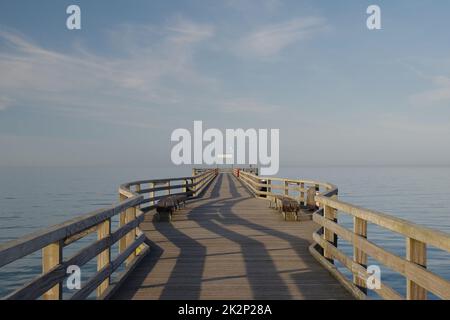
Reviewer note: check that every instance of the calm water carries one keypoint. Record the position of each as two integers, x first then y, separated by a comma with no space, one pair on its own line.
34,198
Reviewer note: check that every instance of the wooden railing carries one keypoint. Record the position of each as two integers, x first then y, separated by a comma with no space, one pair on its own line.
135,201
156,189
304,191
419,280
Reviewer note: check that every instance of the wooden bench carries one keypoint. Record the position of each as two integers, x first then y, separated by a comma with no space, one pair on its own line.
275,201
167,205
289,208
286,205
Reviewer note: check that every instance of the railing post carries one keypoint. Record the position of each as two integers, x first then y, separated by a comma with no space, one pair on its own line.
302,193
416,252
192,187
51,257
185,183
317,187
152,193
360,228
286,186
329,213
194,181
311,198
136,210
138,207
122,222
104,258
168,187
130,236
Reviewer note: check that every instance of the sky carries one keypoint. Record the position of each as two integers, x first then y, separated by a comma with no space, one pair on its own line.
111,93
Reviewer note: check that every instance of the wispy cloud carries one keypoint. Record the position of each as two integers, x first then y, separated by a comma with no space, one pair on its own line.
155,70
185,32
270,40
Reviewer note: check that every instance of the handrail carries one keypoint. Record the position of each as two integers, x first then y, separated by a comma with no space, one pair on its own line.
419,280
132,247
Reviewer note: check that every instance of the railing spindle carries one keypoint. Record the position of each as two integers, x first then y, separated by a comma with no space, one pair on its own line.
359,256
122,222
52,256
331,214
310,198
185,183
131,236
302,193
152,194
104,258
416,251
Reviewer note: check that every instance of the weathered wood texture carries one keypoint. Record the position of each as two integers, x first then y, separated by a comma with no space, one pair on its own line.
229,245
419,279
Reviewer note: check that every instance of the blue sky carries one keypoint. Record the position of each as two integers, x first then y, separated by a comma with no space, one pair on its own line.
111,93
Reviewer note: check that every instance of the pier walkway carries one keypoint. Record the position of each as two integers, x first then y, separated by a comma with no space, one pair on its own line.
229,245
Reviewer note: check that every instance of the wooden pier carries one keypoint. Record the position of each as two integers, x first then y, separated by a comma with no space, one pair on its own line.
229,245
227,235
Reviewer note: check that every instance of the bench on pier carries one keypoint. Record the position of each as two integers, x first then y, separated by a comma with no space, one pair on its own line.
286,205
167,205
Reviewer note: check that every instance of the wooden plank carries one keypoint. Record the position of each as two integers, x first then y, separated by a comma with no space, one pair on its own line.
104,258
124,275
411,230
310,198
326,185
416,252
38,286
163,188
80,235
51,257
384,292
131,236
355,291
330,214
184,186
125,188
414,272
359,256
122,222
152,195
102,274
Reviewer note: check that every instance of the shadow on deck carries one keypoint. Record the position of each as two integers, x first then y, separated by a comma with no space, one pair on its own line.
229,245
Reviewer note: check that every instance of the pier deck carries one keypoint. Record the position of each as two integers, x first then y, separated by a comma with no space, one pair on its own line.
229,245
